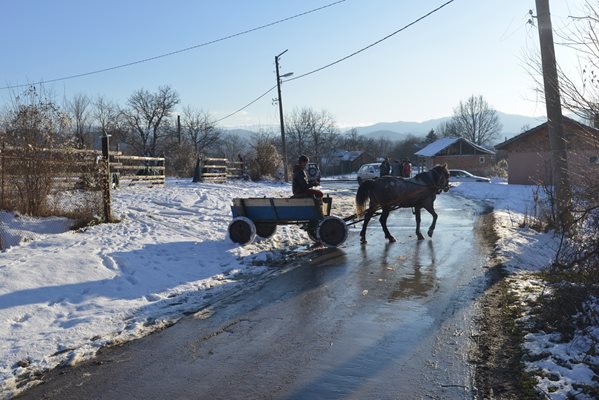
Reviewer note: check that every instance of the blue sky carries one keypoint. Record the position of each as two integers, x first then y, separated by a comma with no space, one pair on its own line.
468,47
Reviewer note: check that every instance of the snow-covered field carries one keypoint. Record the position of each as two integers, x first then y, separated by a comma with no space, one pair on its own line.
64,295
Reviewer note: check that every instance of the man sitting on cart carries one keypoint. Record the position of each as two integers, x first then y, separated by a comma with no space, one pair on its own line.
300,185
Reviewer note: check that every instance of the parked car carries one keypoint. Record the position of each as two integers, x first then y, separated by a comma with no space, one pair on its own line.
369,171
459,175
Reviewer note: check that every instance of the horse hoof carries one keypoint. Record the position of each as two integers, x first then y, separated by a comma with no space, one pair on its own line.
363,241
430,233
391,239
420,237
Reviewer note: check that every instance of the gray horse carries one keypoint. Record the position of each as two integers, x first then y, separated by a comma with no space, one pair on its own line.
390,192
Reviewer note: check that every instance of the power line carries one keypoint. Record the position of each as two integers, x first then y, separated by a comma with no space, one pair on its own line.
346,57
372,44
247,105
176,51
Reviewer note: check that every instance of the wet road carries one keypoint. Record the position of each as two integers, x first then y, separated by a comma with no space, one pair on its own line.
380,321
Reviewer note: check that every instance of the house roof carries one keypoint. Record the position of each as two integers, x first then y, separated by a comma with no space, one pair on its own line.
439,145
345,155
540,127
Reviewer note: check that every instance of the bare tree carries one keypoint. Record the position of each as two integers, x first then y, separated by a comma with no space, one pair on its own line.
109,119
311,132
447,129
351,140
200,129
78,109
233,146
35,121
147,116
476,121
405,149
579,94
380,147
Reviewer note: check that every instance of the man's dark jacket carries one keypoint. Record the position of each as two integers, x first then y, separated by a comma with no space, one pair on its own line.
385,168
300,180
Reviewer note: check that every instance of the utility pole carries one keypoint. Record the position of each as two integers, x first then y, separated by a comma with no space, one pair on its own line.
106,179
557,142
280,101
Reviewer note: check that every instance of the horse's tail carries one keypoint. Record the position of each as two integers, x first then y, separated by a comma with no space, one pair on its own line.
362,196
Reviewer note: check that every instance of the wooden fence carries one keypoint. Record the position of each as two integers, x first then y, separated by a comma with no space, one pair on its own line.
34,181
38,181
136,170
218,170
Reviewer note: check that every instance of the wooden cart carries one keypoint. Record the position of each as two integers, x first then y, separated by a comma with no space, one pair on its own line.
260,216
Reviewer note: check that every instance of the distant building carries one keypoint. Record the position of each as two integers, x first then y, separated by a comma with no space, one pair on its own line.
345,162
458,153
529,154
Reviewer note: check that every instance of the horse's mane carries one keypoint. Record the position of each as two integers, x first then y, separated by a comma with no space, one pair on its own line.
426,175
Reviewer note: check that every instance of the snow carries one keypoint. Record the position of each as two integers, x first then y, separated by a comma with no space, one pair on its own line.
65,294
438,145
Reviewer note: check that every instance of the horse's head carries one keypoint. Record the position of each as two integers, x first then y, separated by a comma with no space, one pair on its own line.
441,178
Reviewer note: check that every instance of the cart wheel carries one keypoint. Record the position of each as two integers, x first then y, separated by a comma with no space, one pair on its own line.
311,229
312,235
265,230
242,230
332,231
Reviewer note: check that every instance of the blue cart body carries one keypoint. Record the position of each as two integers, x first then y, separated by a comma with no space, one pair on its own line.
261,215
281,211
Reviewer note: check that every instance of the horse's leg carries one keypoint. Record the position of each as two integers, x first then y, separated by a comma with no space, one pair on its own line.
383,221
417,214
367,217
432,212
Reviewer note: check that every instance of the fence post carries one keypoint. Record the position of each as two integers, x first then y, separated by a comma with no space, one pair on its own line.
197,172
106,196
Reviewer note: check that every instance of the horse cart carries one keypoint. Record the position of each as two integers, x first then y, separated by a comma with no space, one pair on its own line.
261,215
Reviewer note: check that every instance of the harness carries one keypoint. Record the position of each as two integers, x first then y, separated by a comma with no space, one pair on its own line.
438,186
434,183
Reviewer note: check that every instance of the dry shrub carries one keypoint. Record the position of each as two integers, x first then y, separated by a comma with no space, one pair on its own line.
574,274
266,161
500,169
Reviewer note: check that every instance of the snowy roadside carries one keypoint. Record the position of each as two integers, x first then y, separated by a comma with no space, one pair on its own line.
65,295
561,366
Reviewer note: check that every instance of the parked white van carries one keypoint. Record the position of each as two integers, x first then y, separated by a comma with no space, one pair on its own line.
369,171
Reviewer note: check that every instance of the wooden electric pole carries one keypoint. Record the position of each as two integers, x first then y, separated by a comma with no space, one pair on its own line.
106,179
557,141
282,121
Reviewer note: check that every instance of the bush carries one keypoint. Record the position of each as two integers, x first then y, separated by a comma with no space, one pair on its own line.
500,169
266,161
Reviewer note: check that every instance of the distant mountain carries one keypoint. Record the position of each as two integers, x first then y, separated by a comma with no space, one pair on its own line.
402,127
512,126
246,133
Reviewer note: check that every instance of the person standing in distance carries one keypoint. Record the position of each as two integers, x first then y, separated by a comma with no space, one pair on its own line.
385,167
